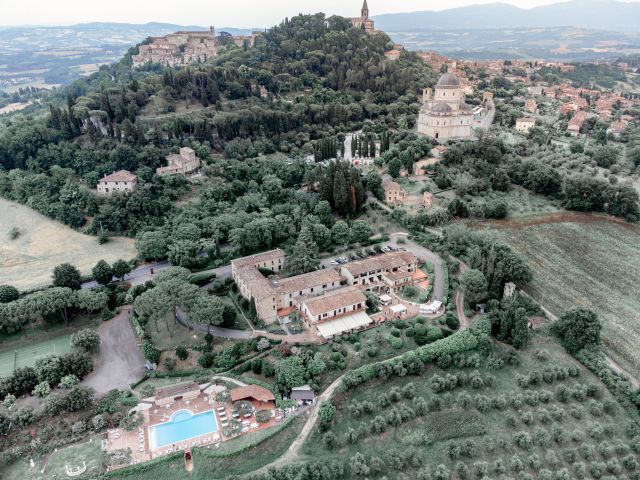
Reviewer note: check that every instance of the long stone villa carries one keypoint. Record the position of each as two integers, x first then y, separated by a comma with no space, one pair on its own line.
330,301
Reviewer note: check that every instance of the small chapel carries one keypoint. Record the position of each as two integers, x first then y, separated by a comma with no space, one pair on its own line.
444,114
363,21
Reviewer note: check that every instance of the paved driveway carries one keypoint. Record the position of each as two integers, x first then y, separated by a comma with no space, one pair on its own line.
121,361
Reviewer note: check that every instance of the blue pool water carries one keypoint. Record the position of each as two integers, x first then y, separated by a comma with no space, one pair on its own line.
183,425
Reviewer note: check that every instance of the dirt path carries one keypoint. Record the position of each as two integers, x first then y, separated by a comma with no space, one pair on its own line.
121,361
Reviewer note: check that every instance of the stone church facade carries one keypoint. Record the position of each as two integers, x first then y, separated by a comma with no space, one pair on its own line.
444,114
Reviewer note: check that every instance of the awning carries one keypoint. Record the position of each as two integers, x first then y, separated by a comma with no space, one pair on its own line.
398,308
339,325
385,298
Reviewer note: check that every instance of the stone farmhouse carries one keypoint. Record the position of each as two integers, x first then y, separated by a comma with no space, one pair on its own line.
328,300
185,162
120,181
363,21
393,192
444,115
178,49
523,125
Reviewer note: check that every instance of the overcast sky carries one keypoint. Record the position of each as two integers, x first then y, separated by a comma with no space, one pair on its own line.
220,13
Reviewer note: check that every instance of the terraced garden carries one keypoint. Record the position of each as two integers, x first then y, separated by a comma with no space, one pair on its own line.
533,414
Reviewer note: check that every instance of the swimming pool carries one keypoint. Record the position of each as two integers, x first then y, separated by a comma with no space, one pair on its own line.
183,425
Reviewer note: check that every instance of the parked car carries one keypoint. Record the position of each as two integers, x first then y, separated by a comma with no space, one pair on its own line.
334,262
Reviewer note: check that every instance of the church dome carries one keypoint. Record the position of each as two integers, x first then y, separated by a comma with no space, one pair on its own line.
441,108
448,80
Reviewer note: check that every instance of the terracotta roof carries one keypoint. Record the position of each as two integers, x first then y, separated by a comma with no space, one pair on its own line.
259,286
258,258
119,176
385,262
333,300
252,391
308,280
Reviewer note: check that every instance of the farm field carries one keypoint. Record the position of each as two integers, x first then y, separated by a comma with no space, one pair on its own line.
590,261
27,261
473,419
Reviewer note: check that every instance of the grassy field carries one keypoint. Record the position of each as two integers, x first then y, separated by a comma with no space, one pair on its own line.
581,260
491,428
27,261
89,452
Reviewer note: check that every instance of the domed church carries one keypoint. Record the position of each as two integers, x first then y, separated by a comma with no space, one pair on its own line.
444,115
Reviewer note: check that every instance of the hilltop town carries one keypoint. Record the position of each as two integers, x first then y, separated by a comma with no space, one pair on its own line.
315,253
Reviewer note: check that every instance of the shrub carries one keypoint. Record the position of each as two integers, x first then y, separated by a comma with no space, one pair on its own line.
68,382
86,340
131,422
169,363
263,416
182,353
395,342
42,390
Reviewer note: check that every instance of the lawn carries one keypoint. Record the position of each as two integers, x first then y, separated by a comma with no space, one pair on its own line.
73,456
490,426
590,262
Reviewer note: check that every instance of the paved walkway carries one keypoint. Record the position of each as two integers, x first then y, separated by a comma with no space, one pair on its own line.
121,362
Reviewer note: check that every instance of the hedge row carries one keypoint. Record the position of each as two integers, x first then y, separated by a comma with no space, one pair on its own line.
459,342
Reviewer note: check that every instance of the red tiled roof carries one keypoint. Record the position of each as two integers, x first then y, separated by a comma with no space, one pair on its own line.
119,176
252,391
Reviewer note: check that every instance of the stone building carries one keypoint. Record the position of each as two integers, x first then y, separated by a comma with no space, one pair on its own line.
120,181
523,125
363,21
531,106
323,295
393,192
177,49
444,115
185,162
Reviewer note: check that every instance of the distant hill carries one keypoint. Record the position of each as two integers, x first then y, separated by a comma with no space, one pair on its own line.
591,14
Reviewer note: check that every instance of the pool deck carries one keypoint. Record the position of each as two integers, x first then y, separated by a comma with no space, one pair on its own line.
138,441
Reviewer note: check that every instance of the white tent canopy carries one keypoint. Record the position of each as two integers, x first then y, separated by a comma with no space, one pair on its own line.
432,307
339,325
398,308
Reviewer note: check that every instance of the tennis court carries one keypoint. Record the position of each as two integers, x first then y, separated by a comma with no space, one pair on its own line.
26,356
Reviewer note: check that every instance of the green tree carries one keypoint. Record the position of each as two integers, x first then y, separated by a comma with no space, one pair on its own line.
66,275
8,293
326,414
316,365
360,231
102,273
341,233
374,184
86,340
578,328
152,245
474,285
520,335
121,268
291,372
304,256
394,167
